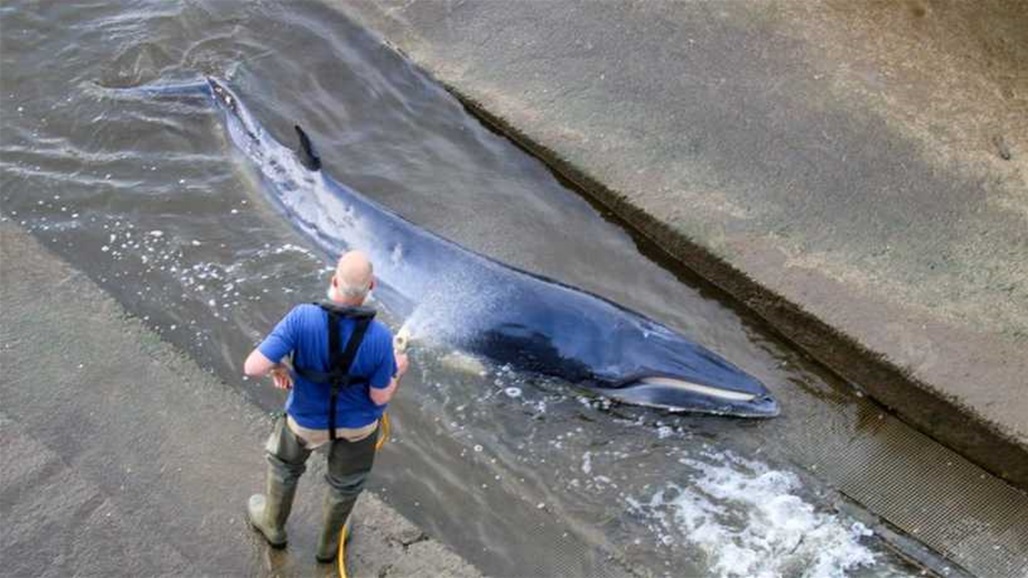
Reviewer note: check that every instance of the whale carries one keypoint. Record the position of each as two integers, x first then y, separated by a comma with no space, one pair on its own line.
456,297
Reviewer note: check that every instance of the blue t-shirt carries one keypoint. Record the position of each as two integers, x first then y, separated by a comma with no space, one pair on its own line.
304,332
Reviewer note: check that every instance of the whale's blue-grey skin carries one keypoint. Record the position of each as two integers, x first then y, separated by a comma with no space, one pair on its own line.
476,304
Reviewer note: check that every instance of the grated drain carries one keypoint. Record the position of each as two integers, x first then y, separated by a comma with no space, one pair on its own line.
974,519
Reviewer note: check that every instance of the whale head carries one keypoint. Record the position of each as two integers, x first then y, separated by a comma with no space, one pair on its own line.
659,368
620,355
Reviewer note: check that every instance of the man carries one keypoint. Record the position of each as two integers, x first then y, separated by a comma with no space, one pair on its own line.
341,355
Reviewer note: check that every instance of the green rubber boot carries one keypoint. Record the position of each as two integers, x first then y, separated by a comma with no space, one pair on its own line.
268,513
336,511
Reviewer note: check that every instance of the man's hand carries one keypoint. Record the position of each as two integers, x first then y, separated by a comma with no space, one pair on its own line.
402,364
382,396
281,377
258,366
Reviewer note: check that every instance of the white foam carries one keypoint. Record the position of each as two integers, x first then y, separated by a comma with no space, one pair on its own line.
396,257
749,521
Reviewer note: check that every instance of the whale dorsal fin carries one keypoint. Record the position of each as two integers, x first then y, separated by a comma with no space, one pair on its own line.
308,158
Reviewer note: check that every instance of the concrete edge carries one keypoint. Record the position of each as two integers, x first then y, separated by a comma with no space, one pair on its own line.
916,402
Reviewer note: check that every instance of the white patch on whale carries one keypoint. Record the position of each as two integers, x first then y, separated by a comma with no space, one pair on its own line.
706,390
396,257
462,362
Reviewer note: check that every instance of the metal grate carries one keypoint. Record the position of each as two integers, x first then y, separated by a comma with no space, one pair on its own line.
928,491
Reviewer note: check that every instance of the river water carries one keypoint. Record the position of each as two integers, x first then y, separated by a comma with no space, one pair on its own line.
521,475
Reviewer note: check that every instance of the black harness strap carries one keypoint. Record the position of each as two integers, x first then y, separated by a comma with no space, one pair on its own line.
341,362
340,359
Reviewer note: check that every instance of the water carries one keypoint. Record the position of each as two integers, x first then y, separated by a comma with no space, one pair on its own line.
781,534
523,476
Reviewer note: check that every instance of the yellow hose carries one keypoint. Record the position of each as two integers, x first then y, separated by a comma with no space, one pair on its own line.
400,343
342,551
383,435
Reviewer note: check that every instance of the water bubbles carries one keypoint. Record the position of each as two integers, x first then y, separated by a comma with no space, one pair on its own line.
859,529
749,520
512,392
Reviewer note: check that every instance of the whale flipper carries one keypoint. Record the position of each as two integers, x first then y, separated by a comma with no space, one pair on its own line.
308,158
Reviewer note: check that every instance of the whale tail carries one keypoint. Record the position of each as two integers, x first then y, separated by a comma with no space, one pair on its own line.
187,88
308,158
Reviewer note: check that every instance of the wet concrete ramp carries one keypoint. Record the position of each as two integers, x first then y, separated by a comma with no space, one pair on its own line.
123,458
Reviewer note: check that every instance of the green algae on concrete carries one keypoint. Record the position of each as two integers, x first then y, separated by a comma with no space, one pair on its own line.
857,174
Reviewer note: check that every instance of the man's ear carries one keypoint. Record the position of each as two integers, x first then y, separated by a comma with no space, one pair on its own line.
371,286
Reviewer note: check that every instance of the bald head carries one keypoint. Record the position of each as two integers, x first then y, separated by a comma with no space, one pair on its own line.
353,278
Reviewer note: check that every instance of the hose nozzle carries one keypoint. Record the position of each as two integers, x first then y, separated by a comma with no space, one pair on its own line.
402,340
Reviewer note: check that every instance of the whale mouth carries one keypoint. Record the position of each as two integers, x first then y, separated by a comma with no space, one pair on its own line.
678,394
697,388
